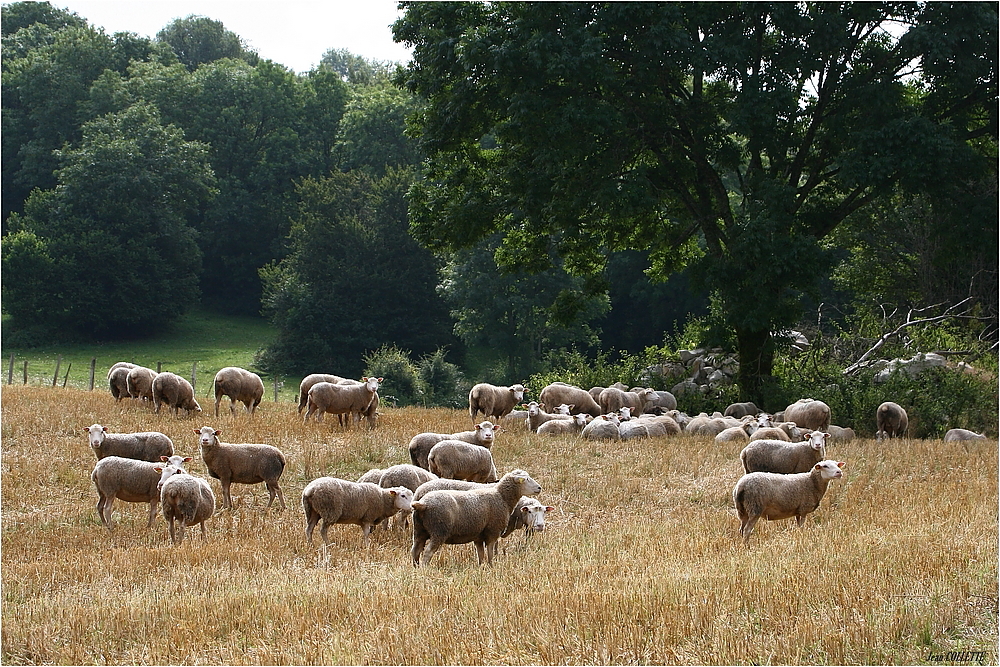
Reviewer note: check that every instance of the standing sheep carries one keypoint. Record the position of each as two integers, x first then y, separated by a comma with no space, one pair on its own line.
347,400
456,459
241,385
186,499
740,410
560,392
784,457
537,416
961,434
241,463
891,420
174,391
139,382
663,400
308,382
669,423
409,477
807,413
770,433
145,446
613,399
421,444
839,433
364,504
132,481
528,514
494,401
118,383
775,496
459,517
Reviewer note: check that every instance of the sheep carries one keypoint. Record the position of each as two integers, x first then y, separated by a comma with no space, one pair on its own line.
186,499
307,383
130,480
458,517
681,418
144,446
493,401
775,496
613,399
529,514
960,434
891,420
338,500
120,364
784,457
740,410
139,382
421,444
408,476
808,414
118,383
595,392
241,385
443,483
838,433
559,392
537,416
370,413
710,426
572,426
793,432
641,429
732,434
341,399
669,424
663,400
241,463
175,392
770,433
603,427
456,459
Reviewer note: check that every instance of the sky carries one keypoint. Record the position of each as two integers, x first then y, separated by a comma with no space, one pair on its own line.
294,33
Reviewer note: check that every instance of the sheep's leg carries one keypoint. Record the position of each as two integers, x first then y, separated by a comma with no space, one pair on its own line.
204,533
173,531
227,500
482,552
323,531
800,519
747,527
429,551
152,512
418,547
312,518
218,399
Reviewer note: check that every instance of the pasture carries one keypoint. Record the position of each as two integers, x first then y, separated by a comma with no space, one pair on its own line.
641,562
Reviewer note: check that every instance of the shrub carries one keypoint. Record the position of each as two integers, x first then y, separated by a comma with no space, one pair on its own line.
442,381
400,380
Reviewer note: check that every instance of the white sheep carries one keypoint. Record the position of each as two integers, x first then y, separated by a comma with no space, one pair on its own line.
740,410
891,420
175,392
784,457
493,401
840,433
641,428
479,516
243,463
557,393
132,481
373,475
961,434
445,484
537,416
308,382
528,514
808,414
659,402
238,384
338,500
603,427
186,499
572,426
408,476
144,446
770,433
775,496
612,399
139,382
733,434
457,459
669,424
421,444
347,400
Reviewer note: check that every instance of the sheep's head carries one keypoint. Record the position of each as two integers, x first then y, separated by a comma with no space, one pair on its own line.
208,436
563,409
402,497
817,440
166,472
486,431
95,434
829,469
533,515
533,409
518,391
372,383
529,487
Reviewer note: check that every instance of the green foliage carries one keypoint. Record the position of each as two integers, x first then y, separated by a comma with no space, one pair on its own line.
19,15
441,381
198,40
372,130
355,69
400,376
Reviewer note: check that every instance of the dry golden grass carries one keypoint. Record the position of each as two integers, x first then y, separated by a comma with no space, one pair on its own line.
642,563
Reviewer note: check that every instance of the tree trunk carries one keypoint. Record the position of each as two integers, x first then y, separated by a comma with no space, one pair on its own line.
756,364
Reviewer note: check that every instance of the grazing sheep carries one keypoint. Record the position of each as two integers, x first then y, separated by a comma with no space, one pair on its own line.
176,392
636,428
186,499
838,433
808,414
775,496
239,385
408,476
613,399
139,382
456,459
120,364
793,432
595,392
784,457
770,433
733,434
669,424
145,446
445,484
308,382
572,426
373,476
421,444
710,426
241,463
961,434
118,383
364,504
603,427
537,416
479,516
663,400
493,401
341,399
891,420
529,514
740,410
560,392
132,481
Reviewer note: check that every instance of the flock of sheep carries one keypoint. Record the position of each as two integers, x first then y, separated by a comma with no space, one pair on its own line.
451,489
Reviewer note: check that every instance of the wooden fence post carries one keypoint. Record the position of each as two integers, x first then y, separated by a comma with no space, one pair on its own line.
159,367
25,371
10,370
194,377
275,388
93,365
55,377
66,377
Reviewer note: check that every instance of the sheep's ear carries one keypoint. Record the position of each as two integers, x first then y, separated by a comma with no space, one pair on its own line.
188,458
393,492
826,435
163,458
524,509
572,405
104,428
478,427
218,432
840,464
158,468
549,508
816,467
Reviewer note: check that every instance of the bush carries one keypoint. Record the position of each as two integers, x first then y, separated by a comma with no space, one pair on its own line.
441,381
400,380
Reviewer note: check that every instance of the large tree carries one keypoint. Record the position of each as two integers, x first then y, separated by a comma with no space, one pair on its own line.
734,137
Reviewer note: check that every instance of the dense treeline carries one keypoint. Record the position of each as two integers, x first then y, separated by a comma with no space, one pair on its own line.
362,207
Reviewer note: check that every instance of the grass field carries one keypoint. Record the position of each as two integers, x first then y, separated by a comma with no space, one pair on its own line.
641,562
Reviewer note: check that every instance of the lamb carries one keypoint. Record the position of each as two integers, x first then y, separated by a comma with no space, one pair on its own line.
770,433
603,427
494,401
341,399
572,426
308,382
421,444
740,410
636,428
529,514
241,463
132,481
807,413
364,504
537,416
118,383
560,392
891,420
456,459
144,446
838,433
186,499
479,516
408,476
139,382
961,434
784,457
174,391
775,496
241,385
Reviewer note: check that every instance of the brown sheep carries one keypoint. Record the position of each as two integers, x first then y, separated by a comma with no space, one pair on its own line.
808,414
580,400
494,401
239,385
241,463
891,420
174,391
